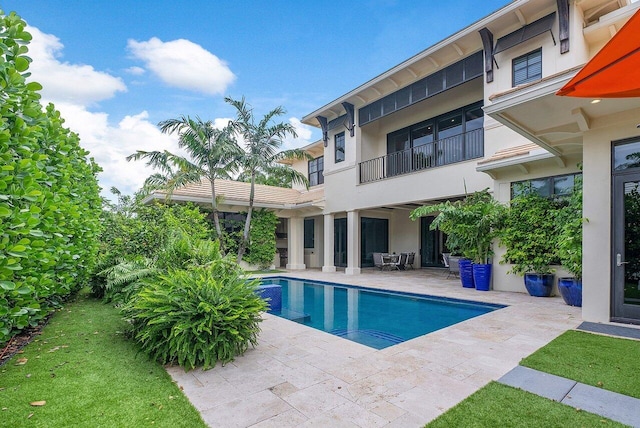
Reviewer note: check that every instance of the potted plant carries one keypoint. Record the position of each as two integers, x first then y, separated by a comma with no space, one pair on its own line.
471,226
530,238
570,247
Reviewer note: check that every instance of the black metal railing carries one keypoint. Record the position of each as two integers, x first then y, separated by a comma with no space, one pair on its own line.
457,148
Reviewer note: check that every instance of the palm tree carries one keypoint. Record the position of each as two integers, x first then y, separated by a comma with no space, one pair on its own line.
263,140
212,155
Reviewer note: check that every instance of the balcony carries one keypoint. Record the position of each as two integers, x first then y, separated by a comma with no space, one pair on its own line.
457,148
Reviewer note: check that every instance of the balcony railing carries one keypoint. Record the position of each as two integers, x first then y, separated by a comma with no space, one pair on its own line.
457,148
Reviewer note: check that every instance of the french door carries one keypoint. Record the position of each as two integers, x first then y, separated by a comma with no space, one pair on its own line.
626,247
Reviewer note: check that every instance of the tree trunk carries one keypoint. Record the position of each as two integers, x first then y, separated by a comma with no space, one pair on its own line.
247,224
216,220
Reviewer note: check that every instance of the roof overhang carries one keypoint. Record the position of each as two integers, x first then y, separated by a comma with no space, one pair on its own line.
452,49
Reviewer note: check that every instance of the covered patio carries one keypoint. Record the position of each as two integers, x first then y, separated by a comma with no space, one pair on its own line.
301,376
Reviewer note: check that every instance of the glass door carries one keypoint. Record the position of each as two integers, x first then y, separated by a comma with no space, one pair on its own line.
374,238
626,248
431,244
340,242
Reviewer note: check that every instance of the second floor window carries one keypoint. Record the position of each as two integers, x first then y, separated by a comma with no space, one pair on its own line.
316,169
339,143
527,68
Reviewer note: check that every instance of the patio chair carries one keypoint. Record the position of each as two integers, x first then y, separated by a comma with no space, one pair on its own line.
380,262
410,260
454,267
402,260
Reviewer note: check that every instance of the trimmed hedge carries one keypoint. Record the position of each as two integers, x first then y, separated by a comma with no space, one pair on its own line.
49,195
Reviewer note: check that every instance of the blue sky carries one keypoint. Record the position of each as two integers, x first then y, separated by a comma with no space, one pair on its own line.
116,68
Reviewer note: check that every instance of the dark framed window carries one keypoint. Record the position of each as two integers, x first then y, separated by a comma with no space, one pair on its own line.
558,186
441,140
309,226
527,68
316,170
339,143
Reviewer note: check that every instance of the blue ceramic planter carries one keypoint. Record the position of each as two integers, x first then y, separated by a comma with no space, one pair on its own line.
571,291
482,276
539,285
466,273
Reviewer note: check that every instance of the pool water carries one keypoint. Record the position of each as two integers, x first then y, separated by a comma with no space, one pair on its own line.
371,317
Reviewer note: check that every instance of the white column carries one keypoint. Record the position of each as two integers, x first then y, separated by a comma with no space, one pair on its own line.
329,249
295,238
353,243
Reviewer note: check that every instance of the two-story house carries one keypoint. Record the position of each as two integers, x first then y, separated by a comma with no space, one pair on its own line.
476,110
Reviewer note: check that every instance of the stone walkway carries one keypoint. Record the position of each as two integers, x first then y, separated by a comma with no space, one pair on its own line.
299,376
605,403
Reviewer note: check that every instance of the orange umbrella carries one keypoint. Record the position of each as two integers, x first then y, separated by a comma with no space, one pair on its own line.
614,72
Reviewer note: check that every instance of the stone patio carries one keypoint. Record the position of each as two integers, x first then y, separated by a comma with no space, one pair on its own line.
299,376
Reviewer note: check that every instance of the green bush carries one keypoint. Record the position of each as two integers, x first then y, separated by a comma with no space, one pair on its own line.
49,195
530,234
198,316
262,235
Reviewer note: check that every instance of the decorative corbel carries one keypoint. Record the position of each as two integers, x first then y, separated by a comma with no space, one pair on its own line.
325,132
351,119
487,46
563,25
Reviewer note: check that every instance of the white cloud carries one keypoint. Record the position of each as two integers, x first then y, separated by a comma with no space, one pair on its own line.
136,71
71,83
184,64
110,145
305,133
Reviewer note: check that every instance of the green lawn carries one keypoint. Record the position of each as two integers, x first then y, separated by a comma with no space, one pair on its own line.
89,374
593,359
602,361
498,405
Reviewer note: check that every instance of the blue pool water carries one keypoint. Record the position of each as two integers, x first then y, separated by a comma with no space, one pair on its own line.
367,316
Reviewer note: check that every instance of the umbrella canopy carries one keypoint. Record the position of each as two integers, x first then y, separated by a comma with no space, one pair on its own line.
614,72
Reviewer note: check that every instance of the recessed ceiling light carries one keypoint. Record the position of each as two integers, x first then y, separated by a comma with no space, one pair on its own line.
595,101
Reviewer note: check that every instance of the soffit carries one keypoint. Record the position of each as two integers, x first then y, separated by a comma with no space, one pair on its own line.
459,45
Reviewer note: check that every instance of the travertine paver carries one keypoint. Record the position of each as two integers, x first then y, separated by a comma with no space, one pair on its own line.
299,376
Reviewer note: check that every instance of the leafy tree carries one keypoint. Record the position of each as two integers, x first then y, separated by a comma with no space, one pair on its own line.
49,195
211,156
263,139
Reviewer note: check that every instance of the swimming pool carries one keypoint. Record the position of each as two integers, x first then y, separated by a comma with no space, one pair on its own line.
368,316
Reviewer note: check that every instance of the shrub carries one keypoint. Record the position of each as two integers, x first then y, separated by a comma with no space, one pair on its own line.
49,195
530,235
198,316
262,244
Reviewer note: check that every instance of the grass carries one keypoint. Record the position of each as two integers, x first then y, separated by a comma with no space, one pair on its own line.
498,405
601,361
595,360
89,374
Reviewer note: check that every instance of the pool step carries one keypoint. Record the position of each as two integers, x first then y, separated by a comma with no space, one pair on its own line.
373,333
294,315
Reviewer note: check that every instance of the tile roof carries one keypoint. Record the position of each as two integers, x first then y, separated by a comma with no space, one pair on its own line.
511,152
237,193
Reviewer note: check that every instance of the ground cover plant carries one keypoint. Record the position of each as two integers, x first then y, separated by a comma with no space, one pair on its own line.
82,371
498,405
49,195
606,362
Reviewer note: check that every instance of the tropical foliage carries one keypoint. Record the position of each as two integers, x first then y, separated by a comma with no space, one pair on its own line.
471,224
197,316
262,244
530,234
212,154
263,139
570,221
49,195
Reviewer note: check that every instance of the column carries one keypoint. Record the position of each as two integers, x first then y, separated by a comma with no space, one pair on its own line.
353,243
328,263
295,237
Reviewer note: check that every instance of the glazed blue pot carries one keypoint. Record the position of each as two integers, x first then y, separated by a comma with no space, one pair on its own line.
466,273
482,276
539,285
571,291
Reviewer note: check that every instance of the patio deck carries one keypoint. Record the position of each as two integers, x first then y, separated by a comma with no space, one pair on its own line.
299,376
